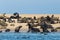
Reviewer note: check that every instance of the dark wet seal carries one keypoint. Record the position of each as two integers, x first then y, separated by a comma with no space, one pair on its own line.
35,30
31,28
7,30
1,31
18,28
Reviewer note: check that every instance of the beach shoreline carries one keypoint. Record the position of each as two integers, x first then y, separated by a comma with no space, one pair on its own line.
24,27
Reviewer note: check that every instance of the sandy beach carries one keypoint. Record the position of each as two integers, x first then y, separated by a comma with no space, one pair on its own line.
24,27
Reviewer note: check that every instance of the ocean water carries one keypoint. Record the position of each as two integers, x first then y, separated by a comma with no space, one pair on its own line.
29,36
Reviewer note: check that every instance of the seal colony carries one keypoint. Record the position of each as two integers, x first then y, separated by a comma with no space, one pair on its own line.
34,24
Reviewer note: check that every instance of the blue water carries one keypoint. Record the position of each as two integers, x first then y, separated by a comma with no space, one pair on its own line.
29,36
